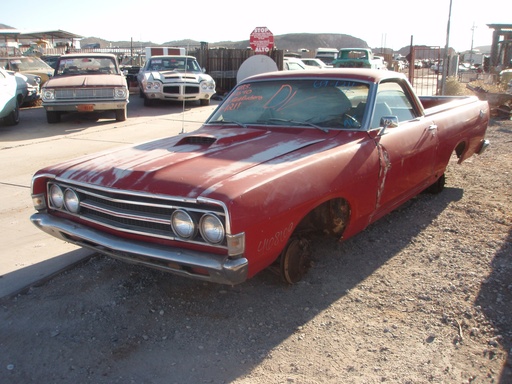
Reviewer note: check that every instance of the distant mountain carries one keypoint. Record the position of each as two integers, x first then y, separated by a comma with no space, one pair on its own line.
292,42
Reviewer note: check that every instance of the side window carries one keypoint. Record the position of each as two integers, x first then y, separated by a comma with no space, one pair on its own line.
392,100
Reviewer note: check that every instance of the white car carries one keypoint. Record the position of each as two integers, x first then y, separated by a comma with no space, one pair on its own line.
292,64
177,77
11,97
315,63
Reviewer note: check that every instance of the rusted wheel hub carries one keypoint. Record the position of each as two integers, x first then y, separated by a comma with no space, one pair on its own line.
295,260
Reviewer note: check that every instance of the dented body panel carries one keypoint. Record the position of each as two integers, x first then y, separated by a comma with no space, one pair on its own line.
285,154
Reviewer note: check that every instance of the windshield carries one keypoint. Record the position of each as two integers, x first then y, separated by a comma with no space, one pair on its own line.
25,64
86,66
180,64
320,103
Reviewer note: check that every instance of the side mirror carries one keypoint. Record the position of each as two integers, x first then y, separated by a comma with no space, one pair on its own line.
388,122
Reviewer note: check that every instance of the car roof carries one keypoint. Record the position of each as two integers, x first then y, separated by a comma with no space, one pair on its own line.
362,74
91,54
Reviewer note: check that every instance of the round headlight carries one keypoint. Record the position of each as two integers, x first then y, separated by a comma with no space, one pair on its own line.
56,196
211,229
71,201
120,93
48,94
182,224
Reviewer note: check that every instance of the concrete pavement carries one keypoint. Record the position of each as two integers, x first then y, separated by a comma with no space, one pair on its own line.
27,255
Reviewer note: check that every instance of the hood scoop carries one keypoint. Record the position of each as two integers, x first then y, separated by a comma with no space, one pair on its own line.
226,137
197,140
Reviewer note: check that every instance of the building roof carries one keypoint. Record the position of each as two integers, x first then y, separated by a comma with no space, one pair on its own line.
15,34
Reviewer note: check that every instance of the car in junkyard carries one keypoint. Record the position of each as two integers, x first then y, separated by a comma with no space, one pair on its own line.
30,85
12,92
287,156
293,64
174,78
85,83
315,63
27,65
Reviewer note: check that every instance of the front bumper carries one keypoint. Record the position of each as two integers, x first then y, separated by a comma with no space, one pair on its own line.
85,106
178,96
198,265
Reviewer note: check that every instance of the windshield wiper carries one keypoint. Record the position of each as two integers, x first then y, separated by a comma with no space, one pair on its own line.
309,124
228,122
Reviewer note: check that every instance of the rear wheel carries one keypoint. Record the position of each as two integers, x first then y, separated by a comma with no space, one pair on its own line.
295,259
52,117
14,117
121,114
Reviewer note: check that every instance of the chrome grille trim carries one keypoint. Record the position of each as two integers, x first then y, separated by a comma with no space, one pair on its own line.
84,93
135,213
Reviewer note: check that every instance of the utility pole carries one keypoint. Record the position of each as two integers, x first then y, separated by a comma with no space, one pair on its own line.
447,46
472,38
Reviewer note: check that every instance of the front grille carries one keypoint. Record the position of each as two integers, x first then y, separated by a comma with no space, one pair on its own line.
84,93
175,89
137,213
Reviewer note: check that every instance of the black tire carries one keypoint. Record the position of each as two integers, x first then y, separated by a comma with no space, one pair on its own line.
14,117
438,186
52,117
204,102
121,114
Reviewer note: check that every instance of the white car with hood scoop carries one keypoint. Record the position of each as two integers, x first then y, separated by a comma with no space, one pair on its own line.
174,78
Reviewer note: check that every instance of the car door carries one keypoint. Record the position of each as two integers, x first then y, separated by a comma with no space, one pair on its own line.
407,152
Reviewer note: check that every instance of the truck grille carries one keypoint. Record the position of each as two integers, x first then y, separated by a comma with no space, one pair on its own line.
84,93
137,213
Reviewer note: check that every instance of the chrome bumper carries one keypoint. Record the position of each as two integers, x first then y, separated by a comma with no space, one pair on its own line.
97,106
220,269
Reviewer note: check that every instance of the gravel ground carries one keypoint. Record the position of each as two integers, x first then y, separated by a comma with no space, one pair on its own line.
422,296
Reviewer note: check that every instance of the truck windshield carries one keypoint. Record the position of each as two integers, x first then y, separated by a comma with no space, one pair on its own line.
317,103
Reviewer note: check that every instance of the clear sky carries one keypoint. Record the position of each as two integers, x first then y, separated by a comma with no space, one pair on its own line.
380,23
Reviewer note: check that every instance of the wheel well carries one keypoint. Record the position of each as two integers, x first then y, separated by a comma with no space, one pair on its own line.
330,217
459,149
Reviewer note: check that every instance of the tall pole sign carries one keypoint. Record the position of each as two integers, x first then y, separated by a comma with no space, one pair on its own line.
261,40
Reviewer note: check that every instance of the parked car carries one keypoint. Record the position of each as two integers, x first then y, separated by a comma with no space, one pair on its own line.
174,77
27,65
12,91
286,157
31,86
86,82
315,63
293,64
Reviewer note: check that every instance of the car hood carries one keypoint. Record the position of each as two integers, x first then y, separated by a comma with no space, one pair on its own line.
197,164
86,81
174,76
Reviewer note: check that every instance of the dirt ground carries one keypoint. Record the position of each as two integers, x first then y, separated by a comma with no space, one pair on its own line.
422,296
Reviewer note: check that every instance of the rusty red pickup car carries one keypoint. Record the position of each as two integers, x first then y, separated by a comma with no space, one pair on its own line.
286,156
